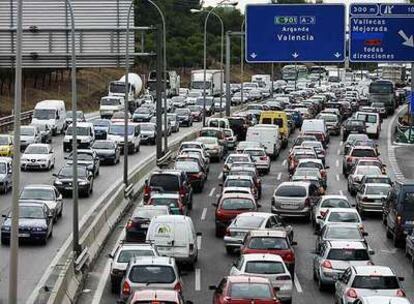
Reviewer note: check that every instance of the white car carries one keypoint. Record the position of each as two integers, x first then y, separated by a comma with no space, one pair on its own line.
29,135
360,281
326,202
269,266
382,300
38,156
260,158
341,215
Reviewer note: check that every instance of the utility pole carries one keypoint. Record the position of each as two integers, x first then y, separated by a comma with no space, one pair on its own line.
158,93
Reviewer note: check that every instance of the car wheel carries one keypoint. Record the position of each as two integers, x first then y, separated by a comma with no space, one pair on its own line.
389,233
5,188
219,233
97,172
229,250
384,219
115,286
321,285
44,241
5,241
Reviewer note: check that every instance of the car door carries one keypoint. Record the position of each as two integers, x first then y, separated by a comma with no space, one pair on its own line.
236,269
319,254
341,285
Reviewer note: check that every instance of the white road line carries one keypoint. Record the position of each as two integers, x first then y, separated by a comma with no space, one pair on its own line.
338,152
212,191
203,215
341,192
199,242
297,285
341,143
337,163
197,285
220,175
284,162
337,177
279,176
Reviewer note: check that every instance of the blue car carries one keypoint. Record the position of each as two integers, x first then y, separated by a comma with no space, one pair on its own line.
296,117
101,127
35,223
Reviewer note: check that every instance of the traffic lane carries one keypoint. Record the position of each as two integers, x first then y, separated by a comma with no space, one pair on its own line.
34,259
404,157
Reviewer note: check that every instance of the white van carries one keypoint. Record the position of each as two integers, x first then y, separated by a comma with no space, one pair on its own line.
372,122
174,236
85,136
268,136
314,125
110,105
218,123
52,113
116,133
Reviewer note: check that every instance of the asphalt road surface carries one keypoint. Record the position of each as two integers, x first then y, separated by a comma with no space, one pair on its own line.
34,259
214,263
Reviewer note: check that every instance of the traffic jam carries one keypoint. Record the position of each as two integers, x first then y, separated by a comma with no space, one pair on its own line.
268,170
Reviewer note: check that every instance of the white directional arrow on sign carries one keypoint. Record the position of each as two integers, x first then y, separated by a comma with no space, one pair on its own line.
295,55
408,41
253,55
337,55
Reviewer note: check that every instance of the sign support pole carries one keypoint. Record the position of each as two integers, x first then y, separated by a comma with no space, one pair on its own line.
411,97
158,94
228,97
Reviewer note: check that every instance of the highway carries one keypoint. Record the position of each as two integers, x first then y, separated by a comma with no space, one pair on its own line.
214,263
34,259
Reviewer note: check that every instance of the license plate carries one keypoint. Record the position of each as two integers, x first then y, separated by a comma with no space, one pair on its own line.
164,249
239,234
289,207
354,131
24,235
409,222
144,225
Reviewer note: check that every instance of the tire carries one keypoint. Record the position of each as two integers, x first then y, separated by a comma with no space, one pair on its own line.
321,286
229,250
4,241
388,233
315,277
218,232
115,286
384,219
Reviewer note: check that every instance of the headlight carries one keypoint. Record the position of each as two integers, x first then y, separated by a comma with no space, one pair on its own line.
5,228
58,182
39,228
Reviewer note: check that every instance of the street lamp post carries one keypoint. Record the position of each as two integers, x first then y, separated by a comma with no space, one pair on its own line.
242,60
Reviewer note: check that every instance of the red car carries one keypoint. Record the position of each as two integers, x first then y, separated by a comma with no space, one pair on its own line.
229,206
157,296
244,290
271,241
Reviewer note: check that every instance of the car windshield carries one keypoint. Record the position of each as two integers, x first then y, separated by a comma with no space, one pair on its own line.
408,204
31,212
119,130
67,172
237,204
377,180
126,255
264,267
195,108
143,110
171,117
79,114
377,189
194,94
343,233
4,141
82,131
101,123
2,168
181,111
363,170
269,243
345,254
243,183
233,159
36,150
364,153
248,221
209,133
335,203
168,182
376,282
255,152
103,145
291,191
207,140
329,118
38,194
147,213
187,166
82,156
27,131
147,274
44,114
250,291
370,118
343,217
147,126
110,102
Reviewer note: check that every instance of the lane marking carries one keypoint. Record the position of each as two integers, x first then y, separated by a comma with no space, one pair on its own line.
212,191
338,152
337,163
203,215
197,285
220,175
284,163
297,285
279,176
337,177
341,192
341,143
199,242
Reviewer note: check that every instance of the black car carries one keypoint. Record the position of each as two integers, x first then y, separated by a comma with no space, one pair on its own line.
108,151
101,128
239,125
210,109
64,181
143,114
184,116
35,223
196,112
87,158
353,126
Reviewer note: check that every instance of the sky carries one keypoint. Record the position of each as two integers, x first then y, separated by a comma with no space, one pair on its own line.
242,3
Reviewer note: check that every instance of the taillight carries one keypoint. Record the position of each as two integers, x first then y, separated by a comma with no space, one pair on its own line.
228,232
364,199
289,257
129,224
400,293
349,159
283,278
399,220
351,293
263,157
191,247
126,289
327,264
178,287
307,202
182,191
323,173
147,191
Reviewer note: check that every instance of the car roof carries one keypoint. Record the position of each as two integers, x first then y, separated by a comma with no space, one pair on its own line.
83,124
279,233
165,195
299,183
262,257
159,260
347,245
237,195
349,210
378,185
135,245
373,270
30,204
162,295
31,186
167,171
330,196
363,147
239,177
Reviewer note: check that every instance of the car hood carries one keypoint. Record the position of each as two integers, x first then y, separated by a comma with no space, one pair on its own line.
26,222
147,132
82,162
26,138
35,156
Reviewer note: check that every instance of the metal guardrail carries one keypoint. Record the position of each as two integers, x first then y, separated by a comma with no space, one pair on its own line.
7,122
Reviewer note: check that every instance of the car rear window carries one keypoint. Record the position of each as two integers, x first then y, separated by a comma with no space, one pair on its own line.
408,204
248,222
364,153
264,267
376,282
236,122
237,204
126,255
344,254
343,233
291,191
167,182
335,203
238,183
268,243
147,274
343,217
250,290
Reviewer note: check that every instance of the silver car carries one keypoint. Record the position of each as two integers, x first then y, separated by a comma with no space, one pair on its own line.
370,198
361,281
335,257
326,202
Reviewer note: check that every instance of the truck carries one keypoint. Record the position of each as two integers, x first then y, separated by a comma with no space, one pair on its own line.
383,91
213,81
117,89
393,72
110,105
173,83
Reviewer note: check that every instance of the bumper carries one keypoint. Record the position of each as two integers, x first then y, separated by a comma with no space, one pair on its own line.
291,213
35,165
67,146
29,236
6,153
371,207
107,158
285,292
233,242
147,139
69,189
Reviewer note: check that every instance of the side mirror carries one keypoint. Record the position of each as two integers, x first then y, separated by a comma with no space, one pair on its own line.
401,279
276,289
189,302
294,243
364,233
54,174
259,206
327,167
214,205
371,252
319,217
50,216
4,215
110,256
221,184
212,287
199,234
